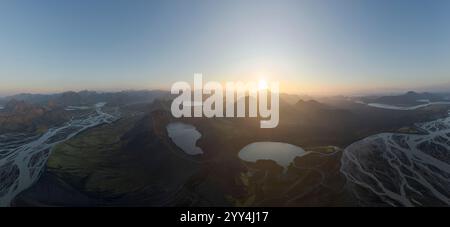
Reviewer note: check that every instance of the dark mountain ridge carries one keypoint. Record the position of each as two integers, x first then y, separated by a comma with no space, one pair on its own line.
409,98
71,98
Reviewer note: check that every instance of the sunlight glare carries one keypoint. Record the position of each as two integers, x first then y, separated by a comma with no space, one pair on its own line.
262,84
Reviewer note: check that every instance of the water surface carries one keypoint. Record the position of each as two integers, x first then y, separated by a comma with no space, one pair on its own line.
185,136
23,156
282,153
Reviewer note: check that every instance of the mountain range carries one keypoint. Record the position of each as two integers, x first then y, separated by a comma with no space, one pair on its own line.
132,161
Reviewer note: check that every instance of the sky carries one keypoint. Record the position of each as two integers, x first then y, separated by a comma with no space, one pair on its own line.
310,46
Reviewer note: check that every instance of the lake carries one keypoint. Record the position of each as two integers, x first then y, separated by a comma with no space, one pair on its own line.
282,153
185,136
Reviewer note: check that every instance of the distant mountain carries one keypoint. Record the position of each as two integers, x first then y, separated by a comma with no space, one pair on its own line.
311,105
19,107
72,98
292,99
21,116
134,162
408,99
30,98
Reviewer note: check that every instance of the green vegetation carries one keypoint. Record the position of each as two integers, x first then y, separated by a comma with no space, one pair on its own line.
133,161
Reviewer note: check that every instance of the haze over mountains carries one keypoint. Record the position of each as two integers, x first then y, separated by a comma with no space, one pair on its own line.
96,149
331,113
363,120
408,99
87,97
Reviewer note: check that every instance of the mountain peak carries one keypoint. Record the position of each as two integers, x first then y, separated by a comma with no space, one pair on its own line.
16,105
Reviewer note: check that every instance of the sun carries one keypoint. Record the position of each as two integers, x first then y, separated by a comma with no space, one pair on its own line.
262,85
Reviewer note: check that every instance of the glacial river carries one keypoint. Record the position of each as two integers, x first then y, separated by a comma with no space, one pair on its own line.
23,156
402,169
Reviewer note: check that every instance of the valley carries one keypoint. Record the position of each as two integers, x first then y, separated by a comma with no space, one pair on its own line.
134,161
24,156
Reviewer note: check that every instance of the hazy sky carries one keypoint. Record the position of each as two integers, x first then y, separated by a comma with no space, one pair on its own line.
315,46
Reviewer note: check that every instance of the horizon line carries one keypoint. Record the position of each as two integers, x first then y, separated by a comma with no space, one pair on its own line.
355,94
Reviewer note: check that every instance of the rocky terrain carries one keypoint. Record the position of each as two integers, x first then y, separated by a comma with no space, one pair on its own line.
133,162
